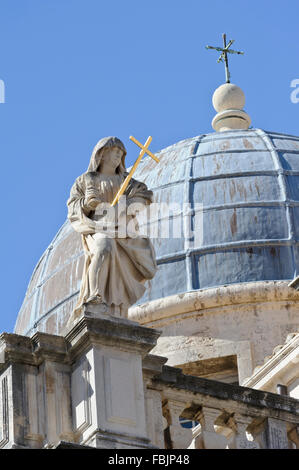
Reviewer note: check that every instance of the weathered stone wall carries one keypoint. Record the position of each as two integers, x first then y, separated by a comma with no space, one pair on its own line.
98,386
239,324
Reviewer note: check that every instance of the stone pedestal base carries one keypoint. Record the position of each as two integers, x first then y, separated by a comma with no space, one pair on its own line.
101,310
84,388
107,381
98,310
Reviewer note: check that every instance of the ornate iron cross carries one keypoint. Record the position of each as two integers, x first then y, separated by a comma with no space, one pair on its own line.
223,56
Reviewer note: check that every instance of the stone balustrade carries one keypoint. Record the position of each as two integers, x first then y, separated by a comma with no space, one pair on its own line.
99,386
229,416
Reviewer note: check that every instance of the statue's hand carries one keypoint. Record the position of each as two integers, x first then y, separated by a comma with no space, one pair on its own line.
91,203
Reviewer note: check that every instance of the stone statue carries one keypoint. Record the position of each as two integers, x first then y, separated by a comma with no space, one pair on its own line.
115,267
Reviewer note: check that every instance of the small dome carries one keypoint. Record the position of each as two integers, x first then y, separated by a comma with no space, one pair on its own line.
247,183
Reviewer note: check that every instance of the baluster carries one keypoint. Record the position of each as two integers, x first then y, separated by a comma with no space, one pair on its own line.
239,424
176,436
205,435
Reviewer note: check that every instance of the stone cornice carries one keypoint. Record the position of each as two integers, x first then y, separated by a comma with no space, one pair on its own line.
221,395
205,299
152,366
15,348
51,347
88,331
110,331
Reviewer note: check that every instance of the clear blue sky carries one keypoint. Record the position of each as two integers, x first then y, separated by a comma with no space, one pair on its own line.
79,70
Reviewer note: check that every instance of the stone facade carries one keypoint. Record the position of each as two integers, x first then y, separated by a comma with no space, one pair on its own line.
280,370
98,386
86,387
206,333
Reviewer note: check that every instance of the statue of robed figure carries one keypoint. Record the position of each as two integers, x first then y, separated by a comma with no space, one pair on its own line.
115,267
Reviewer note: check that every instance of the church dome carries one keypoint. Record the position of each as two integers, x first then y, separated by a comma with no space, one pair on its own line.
244,183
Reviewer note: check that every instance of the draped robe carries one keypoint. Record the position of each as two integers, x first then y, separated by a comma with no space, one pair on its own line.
123,264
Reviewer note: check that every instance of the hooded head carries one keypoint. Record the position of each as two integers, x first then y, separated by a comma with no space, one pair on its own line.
102,145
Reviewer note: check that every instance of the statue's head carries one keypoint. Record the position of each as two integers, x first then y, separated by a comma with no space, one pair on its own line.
108,147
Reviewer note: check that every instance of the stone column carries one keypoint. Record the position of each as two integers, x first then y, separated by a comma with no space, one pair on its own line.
276,434
34,391
53,387
19,423
155,422
108,400
271,433
4,409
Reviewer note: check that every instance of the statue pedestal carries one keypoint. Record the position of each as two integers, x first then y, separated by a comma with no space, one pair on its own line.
108,404
93,310
85,388
98,310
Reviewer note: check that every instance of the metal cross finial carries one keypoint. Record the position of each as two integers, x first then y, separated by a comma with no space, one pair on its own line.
223,56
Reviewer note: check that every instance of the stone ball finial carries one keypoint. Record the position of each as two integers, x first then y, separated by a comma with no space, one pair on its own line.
228,96
228,101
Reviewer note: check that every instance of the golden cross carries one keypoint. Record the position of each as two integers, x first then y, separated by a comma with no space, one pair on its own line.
144,149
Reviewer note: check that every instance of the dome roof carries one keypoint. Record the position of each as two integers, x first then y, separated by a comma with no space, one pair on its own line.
247,183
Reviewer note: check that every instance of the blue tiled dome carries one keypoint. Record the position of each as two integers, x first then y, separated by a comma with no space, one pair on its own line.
247,182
